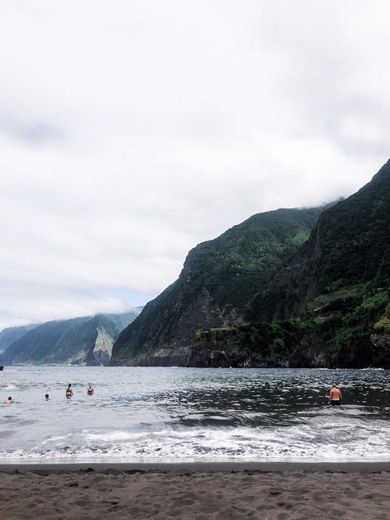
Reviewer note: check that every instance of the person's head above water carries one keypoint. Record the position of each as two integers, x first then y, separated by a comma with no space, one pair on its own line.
69,385
9,398
47,397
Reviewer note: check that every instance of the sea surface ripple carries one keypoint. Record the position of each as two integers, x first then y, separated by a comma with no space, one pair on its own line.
187,414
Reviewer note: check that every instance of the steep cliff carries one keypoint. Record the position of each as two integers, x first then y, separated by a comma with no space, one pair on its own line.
327,305
217,281
349,246
263,295
380,340
348,330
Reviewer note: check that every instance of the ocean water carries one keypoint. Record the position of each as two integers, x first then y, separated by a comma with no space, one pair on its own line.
187,414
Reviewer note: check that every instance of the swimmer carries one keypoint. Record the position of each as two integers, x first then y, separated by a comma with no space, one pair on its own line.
47,397
335,396
9,400
69,391
90,390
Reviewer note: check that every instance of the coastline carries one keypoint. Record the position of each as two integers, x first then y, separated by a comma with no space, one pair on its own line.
199,467
350,479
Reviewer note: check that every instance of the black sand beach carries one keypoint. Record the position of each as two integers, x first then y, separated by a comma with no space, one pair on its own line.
196,491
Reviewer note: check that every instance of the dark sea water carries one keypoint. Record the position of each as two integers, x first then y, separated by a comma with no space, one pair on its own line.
188,414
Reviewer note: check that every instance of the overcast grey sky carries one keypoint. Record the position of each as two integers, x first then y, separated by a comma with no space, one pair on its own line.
130,131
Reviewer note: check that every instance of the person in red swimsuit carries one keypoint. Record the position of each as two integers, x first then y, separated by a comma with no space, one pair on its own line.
335,396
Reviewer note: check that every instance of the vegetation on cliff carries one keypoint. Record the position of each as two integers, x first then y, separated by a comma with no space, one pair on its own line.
218,278
337,333
234,265
349,245
332,297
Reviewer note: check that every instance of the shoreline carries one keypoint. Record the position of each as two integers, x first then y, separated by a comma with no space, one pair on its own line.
199,467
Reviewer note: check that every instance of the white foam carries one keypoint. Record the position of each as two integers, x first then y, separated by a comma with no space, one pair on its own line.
298,443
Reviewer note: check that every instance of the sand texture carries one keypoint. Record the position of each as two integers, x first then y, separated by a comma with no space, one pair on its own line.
222,496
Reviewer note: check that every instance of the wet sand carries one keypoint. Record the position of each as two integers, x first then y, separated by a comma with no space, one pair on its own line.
196,491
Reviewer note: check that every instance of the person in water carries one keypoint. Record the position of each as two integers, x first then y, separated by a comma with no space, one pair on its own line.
9,400
335,396
69,391
47,397
90,390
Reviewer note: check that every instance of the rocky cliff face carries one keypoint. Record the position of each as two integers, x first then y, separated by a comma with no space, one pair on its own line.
86,340
102,349
341,332
260,345
217,281
380,339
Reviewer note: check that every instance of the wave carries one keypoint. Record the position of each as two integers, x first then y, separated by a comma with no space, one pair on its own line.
334,441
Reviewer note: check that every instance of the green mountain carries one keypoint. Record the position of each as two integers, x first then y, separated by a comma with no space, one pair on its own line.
349,246
329,304
11,334
86,340
218,279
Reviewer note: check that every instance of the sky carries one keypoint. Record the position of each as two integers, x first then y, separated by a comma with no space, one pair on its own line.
131,131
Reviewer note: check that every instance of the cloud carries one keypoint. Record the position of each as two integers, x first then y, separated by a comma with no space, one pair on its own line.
131,131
